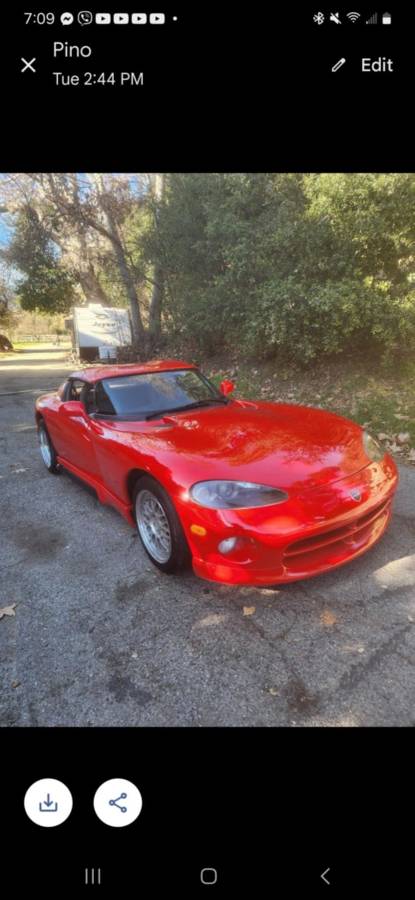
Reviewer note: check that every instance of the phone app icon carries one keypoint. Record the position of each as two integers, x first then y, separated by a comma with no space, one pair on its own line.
66,18
139,18
85,17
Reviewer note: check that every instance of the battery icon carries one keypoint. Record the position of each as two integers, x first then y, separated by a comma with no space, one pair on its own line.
386,19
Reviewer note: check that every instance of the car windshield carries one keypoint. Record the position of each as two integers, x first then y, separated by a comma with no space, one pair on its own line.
151,393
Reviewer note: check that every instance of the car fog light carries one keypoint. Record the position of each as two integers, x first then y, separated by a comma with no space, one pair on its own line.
227,545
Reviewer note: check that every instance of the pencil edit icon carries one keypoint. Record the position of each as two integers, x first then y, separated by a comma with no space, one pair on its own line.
338,64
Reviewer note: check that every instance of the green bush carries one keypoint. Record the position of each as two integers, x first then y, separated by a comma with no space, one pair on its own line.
299,265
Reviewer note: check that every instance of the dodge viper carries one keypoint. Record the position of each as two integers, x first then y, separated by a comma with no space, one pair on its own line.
247,492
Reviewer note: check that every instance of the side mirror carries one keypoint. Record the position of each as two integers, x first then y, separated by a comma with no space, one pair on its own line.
73,408
226,387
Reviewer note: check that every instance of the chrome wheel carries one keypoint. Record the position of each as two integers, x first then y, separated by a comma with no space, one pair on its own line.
153,526
45,448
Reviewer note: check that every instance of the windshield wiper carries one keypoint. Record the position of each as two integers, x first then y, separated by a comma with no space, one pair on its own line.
165,412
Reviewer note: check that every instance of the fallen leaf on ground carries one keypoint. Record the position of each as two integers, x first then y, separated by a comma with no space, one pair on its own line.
404,437
328,618
8,611
249,610
16,684
382,436
273,691
402,417
411,455
211,619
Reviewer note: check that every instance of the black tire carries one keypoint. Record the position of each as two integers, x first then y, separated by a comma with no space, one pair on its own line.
45,442
180,556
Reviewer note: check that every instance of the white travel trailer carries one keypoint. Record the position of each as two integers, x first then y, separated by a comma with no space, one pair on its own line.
98,331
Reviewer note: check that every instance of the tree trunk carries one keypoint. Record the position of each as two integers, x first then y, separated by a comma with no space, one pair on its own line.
136,320
139,334
156,301
105,224
91,287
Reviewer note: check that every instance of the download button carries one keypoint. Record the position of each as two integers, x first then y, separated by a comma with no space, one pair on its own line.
48,802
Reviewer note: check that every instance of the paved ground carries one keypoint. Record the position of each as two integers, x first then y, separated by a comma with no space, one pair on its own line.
100,637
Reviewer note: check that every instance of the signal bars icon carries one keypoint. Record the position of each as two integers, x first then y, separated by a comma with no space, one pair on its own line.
374,19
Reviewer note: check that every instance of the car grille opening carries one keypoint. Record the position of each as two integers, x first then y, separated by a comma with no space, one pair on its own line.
341,541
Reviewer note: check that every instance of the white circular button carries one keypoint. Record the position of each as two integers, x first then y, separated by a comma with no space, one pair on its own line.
118,802
48,802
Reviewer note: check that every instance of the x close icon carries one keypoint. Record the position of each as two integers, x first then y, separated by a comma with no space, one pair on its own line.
28,65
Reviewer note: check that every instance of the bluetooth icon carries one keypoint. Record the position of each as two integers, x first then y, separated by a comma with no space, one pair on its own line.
318,18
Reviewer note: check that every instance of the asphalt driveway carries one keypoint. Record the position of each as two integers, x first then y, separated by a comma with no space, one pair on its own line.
100,637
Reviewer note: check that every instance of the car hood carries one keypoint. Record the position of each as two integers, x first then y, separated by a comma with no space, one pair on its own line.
284,445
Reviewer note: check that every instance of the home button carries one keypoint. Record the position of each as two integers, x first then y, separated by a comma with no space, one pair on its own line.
208,876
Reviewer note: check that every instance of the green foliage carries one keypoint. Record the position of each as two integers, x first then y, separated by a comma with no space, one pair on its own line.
288,265
299,265
46,286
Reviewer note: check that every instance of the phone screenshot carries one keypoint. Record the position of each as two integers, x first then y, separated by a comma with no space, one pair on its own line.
207,451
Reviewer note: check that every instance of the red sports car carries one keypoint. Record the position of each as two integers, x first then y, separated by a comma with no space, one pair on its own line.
248,492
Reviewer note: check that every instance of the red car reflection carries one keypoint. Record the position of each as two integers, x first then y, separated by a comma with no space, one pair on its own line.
247,492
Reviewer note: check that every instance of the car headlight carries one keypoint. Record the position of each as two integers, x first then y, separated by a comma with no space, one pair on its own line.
372,447
235,494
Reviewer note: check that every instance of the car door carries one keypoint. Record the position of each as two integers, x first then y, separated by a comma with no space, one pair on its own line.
76,436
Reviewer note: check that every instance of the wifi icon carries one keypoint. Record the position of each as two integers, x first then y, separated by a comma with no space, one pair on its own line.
353,16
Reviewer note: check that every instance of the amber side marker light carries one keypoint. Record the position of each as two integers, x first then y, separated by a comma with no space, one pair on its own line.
198,529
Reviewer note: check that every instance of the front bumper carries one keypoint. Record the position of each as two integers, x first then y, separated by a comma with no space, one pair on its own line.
305,536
